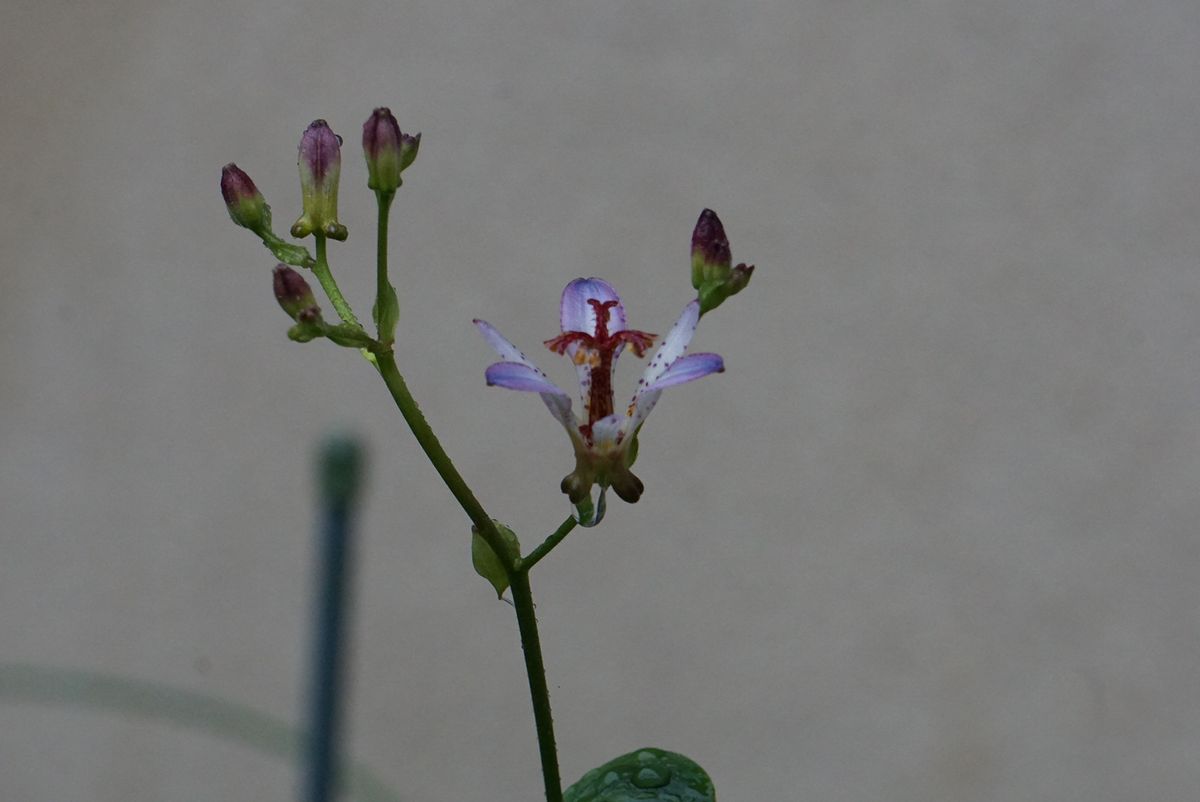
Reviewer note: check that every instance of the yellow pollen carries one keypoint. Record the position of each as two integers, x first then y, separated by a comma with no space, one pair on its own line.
587,356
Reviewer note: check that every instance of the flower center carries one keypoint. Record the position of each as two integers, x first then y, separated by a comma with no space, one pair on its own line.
597,351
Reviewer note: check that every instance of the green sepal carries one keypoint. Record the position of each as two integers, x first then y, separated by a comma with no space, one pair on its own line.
645,774
632,452
713,294
485,561
305,332
386,317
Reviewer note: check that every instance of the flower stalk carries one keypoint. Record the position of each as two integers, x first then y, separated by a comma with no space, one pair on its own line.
386,310
539,693
518,571
324,275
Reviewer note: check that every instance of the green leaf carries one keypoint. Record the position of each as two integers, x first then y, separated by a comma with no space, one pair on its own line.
385,313
487,564
295,255
348,336
645,774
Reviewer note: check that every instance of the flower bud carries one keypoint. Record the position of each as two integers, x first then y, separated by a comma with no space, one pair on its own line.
245,203
712,273
388,151
320,164
711,257
295,296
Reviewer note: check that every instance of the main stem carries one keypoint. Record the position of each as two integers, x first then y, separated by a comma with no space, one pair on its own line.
432,447
535,669
518,577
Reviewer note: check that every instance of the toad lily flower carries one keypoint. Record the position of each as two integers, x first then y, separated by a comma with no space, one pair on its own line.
594,334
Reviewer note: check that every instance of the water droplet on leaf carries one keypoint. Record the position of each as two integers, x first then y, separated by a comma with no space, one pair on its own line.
651,778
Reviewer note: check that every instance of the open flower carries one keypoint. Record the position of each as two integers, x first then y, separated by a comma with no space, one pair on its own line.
593,335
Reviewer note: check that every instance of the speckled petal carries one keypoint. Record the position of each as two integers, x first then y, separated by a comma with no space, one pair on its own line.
640,407
516,376
507,351
607,431
517,372
576,314
671,351
673,347
687,369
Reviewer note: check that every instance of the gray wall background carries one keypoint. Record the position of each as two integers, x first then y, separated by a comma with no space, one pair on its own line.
931,536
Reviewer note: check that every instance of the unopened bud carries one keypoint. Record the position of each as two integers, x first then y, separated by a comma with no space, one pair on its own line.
712,272
711,258
387,150
320,164
245,203
295,296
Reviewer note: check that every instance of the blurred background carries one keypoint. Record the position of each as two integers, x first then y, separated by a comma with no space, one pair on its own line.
933,534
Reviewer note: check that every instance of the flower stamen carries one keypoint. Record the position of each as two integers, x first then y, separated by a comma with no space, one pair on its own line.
598,350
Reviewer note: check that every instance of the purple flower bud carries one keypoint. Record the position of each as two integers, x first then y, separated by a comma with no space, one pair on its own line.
388,151
245,203
711,257
712,271
295,296
320,164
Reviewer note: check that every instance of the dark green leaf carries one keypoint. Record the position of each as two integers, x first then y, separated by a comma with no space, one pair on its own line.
646,774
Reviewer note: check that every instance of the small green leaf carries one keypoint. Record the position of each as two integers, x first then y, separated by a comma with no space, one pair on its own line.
487,564
386,312
289,254
645,774
348,336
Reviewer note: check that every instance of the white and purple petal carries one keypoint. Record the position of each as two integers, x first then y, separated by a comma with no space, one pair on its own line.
673,347
639,408
607,431
576,314
517,376
517,372
687,369
507,351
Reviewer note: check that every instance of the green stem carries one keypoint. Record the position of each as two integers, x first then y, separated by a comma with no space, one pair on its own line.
535,669
384,200
386,310
518,577
325,276
553,540
386,362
